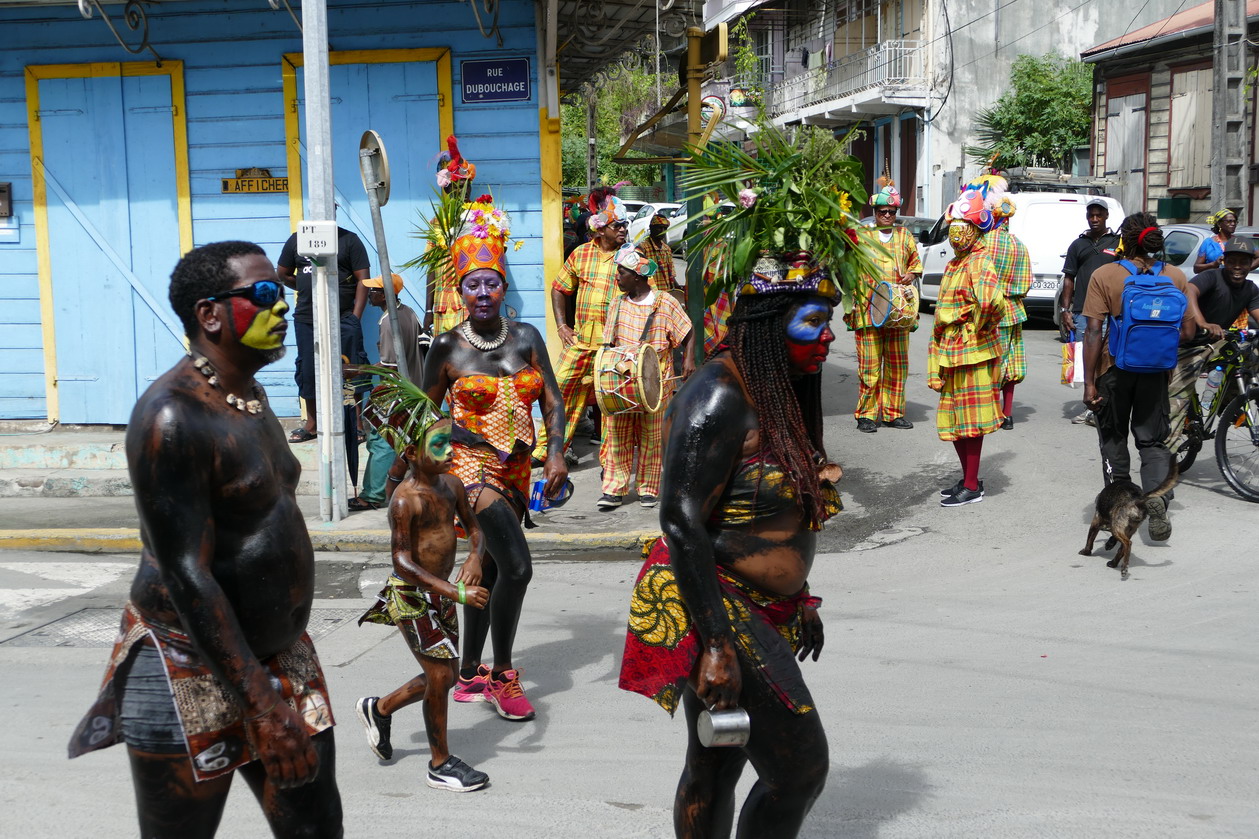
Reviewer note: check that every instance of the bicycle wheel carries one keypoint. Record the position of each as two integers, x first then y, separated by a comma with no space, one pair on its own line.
1237,444
1187,453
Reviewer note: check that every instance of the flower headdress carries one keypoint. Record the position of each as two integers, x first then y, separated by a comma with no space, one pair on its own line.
482,242
451,167
792,229
403,411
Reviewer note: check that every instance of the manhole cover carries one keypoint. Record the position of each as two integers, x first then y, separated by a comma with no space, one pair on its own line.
99,628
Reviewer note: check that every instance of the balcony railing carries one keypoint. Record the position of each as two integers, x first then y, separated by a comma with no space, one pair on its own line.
898,63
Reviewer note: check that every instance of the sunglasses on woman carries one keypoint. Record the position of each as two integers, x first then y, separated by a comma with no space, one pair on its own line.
262,294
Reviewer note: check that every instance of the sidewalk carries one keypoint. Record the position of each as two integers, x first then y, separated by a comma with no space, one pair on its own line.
68,490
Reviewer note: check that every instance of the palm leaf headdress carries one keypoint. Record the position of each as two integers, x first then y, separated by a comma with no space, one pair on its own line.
404,411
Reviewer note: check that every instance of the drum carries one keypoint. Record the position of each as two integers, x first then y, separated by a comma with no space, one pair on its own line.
893,306
628,381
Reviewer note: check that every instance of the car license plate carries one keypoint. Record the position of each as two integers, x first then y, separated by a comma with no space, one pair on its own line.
1045,284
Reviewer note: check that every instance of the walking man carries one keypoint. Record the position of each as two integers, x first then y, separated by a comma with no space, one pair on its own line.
657,249
1093,248
213,670
1013,265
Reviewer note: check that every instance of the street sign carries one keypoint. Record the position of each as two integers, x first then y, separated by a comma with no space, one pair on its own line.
495,80
316,239
240,185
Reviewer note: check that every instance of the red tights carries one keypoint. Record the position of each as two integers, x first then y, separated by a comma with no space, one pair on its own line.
968,449
1007,398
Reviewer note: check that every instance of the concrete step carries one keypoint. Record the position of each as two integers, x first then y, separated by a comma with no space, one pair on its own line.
97,451
90,483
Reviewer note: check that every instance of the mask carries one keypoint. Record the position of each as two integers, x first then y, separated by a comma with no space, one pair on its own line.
962,236
809,336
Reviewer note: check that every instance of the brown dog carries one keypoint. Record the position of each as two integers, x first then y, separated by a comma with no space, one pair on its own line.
1120,510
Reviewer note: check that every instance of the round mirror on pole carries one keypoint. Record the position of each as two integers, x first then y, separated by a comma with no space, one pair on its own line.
379,167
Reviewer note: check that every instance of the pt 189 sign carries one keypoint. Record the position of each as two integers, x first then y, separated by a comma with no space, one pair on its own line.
495,80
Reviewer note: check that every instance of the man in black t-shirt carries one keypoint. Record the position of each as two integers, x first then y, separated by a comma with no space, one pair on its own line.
1222,294
297,272
1094,248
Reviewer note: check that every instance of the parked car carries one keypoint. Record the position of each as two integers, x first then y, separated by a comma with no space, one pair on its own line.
676,213
1181,243
1046,222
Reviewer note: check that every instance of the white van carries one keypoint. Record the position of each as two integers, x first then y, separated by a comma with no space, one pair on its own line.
1046,222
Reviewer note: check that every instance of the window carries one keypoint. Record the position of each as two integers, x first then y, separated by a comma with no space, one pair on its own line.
1178,245
1189,152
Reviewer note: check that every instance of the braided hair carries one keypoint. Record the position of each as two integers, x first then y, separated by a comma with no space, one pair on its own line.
789,410
1136,244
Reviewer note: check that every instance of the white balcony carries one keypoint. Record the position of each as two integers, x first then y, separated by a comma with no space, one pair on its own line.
882,79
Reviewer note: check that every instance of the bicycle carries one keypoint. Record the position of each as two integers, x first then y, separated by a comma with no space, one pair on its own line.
1231,418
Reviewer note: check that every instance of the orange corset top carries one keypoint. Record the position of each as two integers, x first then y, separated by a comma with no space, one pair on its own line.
498,409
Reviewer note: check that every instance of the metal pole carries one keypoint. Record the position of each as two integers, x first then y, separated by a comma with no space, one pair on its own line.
1228,112
695,290
367,159
592,152
320,206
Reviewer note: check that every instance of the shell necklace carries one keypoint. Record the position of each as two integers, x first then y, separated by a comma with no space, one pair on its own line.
480,343
253,406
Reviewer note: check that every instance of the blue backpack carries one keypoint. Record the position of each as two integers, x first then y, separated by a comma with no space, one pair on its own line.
1145,339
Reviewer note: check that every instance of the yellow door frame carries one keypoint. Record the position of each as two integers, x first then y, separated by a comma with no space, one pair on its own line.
552,169
292,128
35,73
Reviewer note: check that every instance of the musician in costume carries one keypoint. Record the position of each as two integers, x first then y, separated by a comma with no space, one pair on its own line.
640,315
721,608
589,276
1013,265
964,356
656,248
443,304
883,351
491,371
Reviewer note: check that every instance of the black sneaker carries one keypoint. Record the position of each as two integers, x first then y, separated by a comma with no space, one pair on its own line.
963,496
958,487
1007,423
866,425
456,776
609,502
899,422
377,726
647,501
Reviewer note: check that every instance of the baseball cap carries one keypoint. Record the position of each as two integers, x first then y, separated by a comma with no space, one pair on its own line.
1098,202
376,282
1237,244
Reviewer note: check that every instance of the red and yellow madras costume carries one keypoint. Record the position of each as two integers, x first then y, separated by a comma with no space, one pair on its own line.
493,433
1013,265
665,278
718,313
590,273
623,433
662,644
209,713
882,354
965,353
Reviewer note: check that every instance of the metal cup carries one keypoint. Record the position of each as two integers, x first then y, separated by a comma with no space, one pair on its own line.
731,727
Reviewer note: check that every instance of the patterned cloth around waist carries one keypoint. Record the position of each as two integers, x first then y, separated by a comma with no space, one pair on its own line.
209,713
477,467
433,617
760,489
662,644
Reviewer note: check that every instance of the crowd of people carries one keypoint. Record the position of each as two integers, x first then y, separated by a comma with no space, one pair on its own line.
214,672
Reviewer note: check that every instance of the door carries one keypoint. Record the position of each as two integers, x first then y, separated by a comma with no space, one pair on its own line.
400,101
105,155
1125,147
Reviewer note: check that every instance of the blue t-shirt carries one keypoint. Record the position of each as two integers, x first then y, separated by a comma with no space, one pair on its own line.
1211,250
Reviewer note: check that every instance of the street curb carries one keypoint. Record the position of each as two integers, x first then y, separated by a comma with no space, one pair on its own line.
127,540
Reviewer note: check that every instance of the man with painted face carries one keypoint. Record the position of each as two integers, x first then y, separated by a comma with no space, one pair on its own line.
491,370
883,352
418,597
641,315
589,275
213,671
964,356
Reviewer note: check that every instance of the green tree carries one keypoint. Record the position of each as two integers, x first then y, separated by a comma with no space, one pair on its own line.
621,104
1044,115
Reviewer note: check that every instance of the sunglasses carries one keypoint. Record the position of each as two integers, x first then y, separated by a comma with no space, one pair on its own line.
885,212
262,294
619,225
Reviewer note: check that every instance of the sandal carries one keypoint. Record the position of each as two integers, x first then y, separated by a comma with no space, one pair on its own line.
300,435
359,505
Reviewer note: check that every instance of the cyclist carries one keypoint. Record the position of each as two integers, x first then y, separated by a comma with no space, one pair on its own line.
1219,298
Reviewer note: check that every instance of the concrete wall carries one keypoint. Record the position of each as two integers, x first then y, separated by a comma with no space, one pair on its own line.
232,52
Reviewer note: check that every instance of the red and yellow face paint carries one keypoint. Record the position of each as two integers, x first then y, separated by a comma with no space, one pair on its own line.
261,329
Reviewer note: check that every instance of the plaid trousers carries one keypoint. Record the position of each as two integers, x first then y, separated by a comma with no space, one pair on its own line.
575,376
622,433
882,365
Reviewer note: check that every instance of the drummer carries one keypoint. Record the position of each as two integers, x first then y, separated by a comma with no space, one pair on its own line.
883,351
640,315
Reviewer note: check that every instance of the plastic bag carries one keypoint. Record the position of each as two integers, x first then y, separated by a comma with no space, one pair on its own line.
1072,362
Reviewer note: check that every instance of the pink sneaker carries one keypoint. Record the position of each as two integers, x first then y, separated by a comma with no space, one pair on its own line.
508,697
474,689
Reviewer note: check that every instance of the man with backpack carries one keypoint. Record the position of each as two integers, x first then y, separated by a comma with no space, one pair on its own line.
1146,304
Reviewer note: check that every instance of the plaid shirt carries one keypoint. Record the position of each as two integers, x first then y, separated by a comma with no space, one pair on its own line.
669,330
970,307
895,259
665,278
1013,265
589,273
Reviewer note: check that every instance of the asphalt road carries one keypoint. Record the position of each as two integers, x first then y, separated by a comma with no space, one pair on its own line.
980,677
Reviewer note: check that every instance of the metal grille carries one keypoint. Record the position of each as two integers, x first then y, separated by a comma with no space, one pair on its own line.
99,628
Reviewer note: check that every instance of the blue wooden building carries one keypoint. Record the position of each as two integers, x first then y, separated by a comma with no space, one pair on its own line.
121,162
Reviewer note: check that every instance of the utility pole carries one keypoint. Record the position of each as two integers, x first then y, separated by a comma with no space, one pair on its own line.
1228,109
695,204
592,153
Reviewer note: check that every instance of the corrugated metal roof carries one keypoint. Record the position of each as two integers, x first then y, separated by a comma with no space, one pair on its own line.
1181,24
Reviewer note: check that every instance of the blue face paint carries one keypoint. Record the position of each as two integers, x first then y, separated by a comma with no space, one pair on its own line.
808,322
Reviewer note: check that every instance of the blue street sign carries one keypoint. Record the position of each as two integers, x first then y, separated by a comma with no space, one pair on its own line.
495,80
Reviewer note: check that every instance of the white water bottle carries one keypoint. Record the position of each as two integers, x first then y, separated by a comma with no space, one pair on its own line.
1213,383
